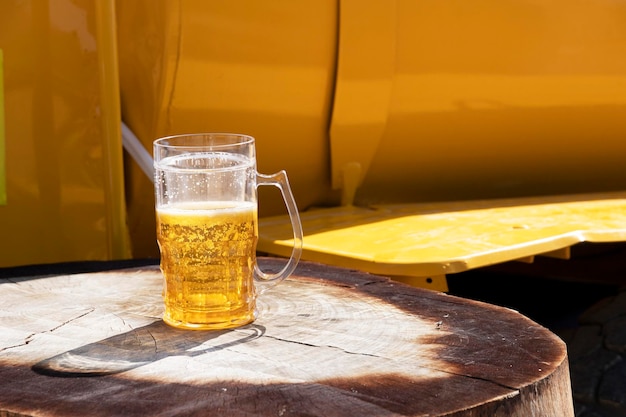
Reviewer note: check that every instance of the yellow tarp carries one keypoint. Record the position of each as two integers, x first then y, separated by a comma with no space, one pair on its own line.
3,187
61,167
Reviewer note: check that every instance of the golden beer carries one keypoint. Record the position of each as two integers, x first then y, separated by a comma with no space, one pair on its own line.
208,253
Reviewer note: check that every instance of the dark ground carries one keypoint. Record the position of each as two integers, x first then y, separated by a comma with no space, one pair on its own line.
582,300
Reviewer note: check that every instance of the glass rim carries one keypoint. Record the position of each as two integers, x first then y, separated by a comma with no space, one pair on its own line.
241,139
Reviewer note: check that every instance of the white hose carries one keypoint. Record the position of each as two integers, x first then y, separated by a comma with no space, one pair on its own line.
134,147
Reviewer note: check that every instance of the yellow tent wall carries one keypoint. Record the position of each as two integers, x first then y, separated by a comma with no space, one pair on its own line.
64,176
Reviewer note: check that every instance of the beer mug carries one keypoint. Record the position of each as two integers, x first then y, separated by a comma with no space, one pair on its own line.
207,229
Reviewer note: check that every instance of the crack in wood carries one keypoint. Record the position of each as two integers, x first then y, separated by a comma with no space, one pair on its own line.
31,336
156,347
66,322
322,346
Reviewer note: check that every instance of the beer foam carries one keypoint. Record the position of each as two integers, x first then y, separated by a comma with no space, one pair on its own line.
204,208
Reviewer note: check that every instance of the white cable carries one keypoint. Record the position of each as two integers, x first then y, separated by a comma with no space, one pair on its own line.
137,151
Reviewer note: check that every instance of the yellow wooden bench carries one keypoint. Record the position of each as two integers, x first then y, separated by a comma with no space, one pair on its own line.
421,243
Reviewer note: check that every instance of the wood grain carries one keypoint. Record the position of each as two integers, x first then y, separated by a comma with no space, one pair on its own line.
328,341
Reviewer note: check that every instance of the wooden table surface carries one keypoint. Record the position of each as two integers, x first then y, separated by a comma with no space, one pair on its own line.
328,342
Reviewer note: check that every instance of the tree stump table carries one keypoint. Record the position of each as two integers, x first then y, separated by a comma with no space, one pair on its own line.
328,342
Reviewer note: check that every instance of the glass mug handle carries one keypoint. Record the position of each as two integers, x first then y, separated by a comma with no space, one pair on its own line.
280,180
